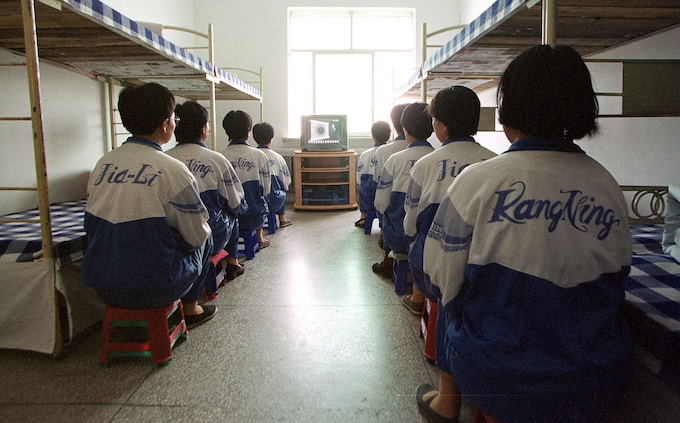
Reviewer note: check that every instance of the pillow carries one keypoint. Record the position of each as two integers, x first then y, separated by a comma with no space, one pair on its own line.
674,250
671,226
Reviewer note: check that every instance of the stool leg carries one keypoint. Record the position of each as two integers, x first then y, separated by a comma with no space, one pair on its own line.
159,336
106,339
368,222
271,223
428,328
400,274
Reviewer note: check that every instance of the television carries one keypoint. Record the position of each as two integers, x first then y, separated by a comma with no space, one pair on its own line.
324,133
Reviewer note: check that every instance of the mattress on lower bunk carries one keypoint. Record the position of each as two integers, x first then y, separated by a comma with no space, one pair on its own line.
21,241
653,304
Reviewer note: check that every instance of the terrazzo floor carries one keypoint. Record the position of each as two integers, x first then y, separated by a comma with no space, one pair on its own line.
308,334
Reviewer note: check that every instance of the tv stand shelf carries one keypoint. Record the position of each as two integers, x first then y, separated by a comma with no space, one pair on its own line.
325,180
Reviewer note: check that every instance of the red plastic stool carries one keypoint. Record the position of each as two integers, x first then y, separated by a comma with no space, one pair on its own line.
215,278
428,324
482,417
165,325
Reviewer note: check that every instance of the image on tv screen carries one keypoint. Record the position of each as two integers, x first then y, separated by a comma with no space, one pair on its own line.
324,132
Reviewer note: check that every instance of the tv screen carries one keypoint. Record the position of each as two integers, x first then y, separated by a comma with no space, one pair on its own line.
324,133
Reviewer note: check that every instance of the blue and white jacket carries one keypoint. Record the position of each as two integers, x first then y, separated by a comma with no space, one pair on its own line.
429,179
218,185
391,193
366,164
252,167
384,152
144,218
529,251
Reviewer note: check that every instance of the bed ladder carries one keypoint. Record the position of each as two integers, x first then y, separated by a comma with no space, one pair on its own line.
32,68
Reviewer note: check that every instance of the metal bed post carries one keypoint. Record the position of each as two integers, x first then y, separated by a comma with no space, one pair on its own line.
426,36
32,67
261,90
259,81
423,76
548,22
213,102
211,58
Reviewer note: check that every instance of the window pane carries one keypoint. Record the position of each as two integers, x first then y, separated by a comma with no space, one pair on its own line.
300,92
382,31
320,31
390,69
343,85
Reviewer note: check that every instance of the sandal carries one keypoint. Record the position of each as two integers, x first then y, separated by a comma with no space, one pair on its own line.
360,223
424,406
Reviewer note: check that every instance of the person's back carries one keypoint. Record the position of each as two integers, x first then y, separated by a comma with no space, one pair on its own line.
534,245
263,133
560,242
218,185
455,111
391,191
399,143
251,166
144,219
366,163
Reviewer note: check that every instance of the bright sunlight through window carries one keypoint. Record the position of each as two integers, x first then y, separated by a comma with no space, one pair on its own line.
347,61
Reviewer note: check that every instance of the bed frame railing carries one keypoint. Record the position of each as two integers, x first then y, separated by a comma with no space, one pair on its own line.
647,203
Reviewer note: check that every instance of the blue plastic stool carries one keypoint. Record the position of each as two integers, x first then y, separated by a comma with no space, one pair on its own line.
248,244
270,223
400,271
368,221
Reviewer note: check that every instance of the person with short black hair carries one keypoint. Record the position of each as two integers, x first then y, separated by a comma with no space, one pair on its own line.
384,268
263,133
529,251
455,116
252,167
148,236
219,186
380,133
391,192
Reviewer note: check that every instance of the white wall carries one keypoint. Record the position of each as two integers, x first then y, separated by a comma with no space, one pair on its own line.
73,109
640,151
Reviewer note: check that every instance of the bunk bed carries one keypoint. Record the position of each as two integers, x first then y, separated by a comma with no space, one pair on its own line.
478,52
652,302
45,302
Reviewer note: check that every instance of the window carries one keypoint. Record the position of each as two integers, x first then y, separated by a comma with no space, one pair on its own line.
346,61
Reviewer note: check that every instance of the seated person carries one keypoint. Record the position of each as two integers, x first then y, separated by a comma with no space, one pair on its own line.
529,251
384,268
252,167
218,185
455,117
380,131
148,238
391,192
263,133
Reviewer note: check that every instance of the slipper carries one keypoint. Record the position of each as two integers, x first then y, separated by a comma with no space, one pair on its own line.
233,271
424,406
360,223
265,243
197,319
415,308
